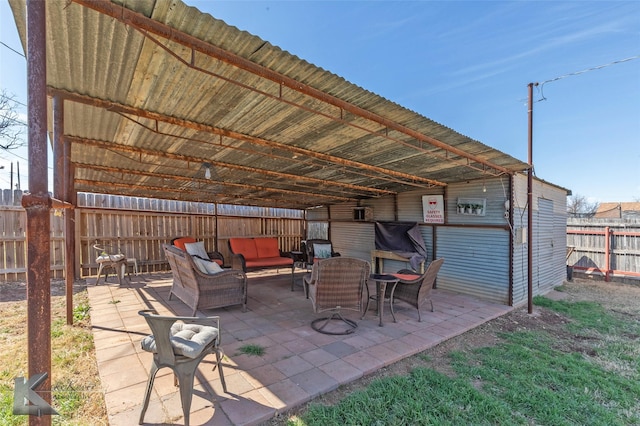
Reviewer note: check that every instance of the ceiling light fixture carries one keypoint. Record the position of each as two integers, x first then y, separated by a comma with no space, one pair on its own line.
484,182
207,170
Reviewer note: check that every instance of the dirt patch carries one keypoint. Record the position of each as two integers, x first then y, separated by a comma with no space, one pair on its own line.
614,297
17,291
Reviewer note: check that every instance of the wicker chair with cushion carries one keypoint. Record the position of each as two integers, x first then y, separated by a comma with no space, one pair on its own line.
336,284
204,285
181,343
317,249
415,289
196,248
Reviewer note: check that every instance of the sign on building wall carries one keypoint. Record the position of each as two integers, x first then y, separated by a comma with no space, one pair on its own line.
433,208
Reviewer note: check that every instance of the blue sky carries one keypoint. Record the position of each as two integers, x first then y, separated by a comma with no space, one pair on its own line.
467,65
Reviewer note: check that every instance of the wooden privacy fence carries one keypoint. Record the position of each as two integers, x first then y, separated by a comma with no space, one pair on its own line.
604,247
140,233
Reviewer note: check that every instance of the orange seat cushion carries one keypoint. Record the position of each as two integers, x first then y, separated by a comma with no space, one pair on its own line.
269,261
244,246
180,242
267,247
406,277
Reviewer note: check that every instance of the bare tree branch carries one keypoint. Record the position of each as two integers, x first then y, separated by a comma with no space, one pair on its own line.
11,128
579,206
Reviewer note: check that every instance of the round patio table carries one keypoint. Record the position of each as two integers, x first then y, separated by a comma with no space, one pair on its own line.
382,280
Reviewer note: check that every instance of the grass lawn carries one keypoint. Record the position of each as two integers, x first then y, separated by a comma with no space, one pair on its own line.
77,395
573,362
579,364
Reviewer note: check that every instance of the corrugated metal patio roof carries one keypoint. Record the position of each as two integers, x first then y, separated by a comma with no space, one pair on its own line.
156,90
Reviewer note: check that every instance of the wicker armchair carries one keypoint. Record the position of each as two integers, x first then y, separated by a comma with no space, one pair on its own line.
181,243
415,289
308,250
336,284
203,291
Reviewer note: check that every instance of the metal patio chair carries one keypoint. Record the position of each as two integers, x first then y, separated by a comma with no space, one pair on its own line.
181,343
109,259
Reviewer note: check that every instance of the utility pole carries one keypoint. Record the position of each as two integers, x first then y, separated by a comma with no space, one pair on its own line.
530,204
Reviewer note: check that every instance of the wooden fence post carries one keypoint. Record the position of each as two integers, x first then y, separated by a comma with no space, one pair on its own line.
607,253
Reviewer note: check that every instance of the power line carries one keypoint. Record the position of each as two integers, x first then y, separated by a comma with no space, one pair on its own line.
592,69
14,100
12,49
582,72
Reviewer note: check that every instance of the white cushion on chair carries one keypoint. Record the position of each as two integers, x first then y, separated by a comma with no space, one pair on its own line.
103,258
197,249
186,339
206,266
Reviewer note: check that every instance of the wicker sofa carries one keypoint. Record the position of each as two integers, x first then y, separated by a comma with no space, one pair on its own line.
259,253
203,291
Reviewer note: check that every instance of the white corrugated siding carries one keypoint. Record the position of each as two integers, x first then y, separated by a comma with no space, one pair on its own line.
519,246
549,238
318,213
342,211
476,262
353,239
494,191
411,203
543,245
476,258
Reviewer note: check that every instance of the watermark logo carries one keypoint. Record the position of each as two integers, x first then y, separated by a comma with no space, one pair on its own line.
26,401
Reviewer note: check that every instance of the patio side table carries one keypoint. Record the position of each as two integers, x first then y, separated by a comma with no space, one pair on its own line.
382,280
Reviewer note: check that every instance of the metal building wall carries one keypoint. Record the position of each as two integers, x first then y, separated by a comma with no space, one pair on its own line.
342,212
476,258
353,239
519,292
494,191
317,223
476,248
554,272
410,204
383,208
476,262
543,248
549,238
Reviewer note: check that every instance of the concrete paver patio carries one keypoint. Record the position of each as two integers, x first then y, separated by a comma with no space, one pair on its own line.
298,364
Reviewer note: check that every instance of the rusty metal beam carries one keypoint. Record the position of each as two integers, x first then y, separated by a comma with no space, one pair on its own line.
69,230
180,178
145,24
378,175
179,194
60,188
125,109
270,173
71,225
36,204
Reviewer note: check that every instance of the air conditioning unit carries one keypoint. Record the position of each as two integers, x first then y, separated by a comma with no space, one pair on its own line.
362,214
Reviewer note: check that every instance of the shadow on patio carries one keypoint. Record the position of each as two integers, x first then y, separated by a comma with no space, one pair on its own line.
298,365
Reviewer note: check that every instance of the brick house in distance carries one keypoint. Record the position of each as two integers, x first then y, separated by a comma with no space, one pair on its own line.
630,210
